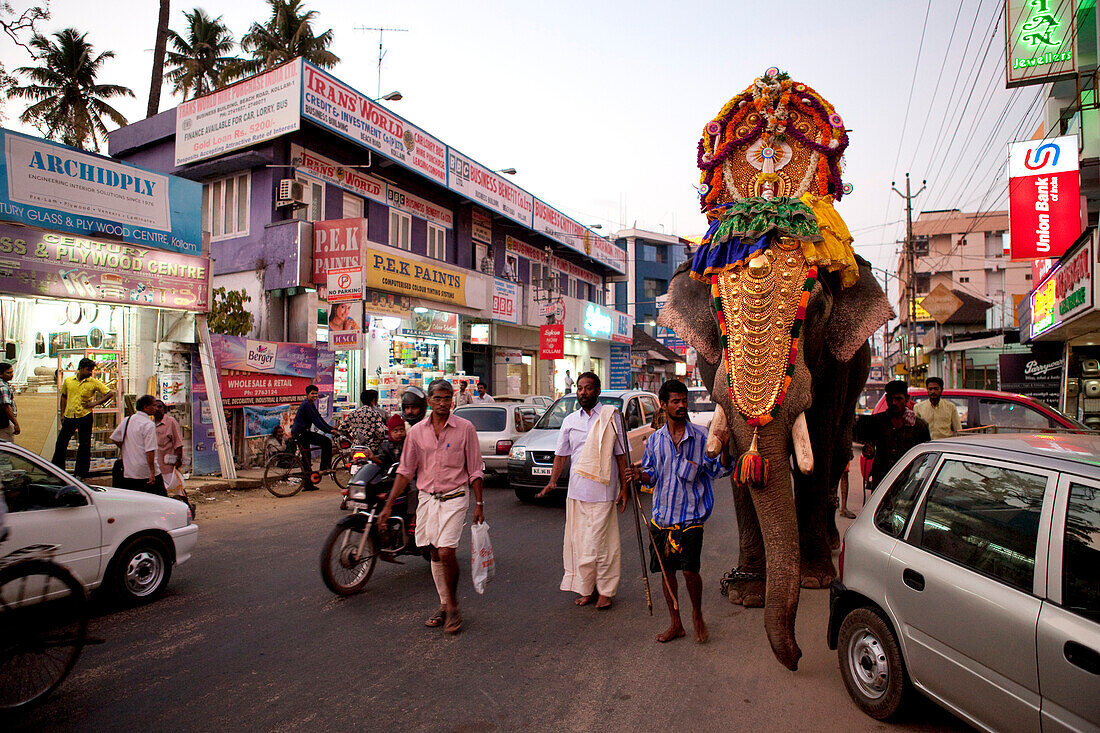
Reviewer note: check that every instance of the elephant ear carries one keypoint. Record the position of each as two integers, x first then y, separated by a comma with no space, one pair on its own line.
858,311
690,313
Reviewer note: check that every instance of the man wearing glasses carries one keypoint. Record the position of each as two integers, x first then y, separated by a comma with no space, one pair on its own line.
443,455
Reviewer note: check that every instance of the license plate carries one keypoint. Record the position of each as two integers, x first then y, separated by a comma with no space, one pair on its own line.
541,470
358,505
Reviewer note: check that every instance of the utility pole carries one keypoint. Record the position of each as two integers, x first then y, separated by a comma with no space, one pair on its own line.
381,53
911,279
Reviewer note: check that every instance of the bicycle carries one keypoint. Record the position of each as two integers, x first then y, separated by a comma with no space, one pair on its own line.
285,473
43,625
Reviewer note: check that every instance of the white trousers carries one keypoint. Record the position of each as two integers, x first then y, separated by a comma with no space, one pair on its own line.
591,553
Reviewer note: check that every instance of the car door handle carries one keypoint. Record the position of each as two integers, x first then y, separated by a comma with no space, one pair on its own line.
913,579
1081,656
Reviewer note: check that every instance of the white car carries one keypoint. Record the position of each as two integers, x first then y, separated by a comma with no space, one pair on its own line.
700,406
128,540
498,426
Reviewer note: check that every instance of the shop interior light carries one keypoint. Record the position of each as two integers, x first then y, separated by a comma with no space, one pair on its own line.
391,323
420,309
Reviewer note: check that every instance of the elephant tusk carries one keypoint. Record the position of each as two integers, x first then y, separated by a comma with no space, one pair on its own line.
718,422
803,451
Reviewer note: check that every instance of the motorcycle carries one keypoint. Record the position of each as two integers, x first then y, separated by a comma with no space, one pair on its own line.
356,542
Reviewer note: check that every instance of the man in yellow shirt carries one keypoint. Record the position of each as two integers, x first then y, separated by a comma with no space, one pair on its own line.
79,396
941,415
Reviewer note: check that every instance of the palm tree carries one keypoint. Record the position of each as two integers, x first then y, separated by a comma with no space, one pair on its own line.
159,44
203,61
286,34
68,104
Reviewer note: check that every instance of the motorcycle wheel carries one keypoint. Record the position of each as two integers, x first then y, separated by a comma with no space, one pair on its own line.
343,572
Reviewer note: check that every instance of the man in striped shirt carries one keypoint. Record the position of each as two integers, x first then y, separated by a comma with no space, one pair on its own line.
676,463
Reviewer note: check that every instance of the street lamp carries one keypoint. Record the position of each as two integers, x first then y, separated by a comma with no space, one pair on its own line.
506,171
391,97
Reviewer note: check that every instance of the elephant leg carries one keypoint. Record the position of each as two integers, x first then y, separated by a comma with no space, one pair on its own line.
746,582
816,514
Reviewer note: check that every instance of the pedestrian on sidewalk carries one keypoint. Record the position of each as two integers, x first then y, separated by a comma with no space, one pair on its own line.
9,424
78,399
591,551
309,416
136,437
443,455
675,462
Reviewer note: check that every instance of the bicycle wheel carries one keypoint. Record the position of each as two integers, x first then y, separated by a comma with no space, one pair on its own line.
283,475
343,569
340,473
43,625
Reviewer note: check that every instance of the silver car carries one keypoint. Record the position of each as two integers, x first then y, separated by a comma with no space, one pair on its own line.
498,427
973,575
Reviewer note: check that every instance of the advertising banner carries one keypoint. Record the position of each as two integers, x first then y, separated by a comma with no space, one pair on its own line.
1044,197
264,357
337,243
386,304
243,114
577,237
573,270
260,421
505,301
417,206
1040,41
343,340
433,322
53,186
417,279
204,455
38,263
244,388
329,171
597,322
325,379
482,186
345,285
523,249
1032,375
337,107
552,341
483,226
624,328
1065,293
619,367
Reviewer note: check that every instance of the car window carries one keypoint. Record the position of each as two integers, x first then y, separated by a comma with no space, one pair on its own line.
897,503
525,418
485,419
1081,552
1011,415
985,518
962,404
28,486
633,414
553,417
649,404
699,401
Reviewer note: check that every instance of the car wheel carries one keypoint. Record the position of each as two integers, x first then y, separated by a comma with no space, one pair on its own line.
141,570
527,496
871,664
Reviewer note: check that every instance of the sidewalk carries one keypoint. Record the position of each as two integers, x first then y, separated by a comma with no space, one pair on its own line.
247,478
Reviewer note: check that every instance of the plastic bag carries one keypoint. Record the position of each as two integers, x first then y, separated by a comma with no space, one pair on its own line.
482,562
173,484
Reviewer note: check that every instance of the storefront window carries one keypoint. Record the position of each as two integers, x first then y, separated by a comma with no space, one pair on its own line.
225,206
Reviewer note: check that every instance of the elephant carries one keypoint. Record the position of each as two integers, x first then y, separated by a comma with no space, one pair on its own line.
788,536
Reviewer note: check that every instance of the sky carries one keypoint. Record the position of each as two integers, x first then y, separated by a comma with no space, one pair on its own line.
599,105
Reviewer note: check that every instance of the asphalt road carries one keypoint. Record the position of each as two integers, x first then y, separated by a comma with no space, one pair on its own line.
248,638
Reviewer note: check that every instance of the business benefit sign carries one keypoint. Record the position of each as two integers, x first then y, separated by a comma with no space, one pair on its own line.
1044,197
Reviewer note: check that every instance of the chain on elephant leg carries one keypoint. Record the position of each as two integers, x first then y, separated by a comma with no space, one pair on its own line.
744,587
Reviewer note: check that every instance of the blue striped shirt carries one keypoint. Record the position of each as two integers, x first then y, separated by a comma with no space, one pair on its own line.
682,493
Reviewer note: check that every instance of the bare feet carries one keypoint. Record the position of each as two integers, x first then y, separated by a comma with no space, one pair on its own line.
584,600
603,603
701,632
675,631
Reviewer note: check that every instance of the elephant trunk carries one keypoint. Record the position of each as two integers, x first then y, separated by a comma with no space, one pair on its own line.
775,509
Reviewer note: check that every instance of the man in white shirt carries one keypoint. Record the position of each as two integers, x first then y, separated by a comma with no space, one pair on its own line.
462,395
941,415
591,553
136,436
482,397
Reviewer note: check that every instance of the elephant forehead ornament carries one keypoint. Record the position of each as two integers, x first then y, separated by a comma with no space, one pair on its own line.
771,171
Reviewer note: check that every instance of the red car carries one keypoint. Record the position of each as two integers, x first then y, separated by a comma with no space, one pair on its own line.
1006,411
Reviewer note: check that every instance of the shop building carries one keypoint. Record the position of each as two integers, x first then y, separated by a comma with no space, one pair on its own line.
349,225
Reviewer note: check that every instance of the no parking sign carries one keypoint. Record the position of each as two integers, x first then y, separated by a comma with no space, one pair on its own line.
345,284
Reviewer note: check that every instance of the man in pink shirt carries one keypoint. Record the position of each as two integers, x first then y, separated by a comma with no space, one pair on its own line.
443,455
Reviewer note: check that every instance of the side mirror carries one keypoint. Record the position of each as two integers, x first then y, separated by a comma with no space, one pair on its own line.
71,496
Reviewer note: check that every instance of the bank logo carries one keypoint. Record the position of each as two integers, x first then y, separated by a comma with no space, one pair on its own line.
260,355
1032,160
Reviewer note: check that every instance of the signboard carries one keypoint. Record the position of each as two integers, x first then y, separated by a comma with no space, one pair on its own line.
242,388
344,285
577,237
482,186
243,114
386,304
204,454
1044,197
38,263
483,226
337,243
1040,41
479,334
624,328
505,301
260,421
940,304
417,206
1031,375
569,268
552,341
331,172
597,322
1065,293
265,357
619,367
523,249
339,108
52,186
343,340
438,323
418,279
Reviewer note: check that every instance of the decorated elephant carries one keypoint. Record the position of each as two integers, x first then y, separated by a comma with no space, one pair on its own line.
779,309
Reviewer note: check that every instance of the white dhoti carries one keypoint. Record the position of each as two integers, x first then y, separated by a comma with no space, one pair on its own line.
439,523
591,553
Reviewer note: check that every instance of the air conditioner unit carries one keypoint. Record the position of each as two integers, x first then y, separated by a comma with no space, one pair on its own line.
290,192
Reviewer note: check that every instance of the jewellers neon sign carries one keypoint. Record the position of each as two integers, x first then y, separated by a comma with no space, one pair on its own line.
1040,41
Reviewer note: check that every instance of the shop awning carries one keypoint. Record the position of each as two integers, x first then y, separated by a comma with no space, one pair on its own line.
990,342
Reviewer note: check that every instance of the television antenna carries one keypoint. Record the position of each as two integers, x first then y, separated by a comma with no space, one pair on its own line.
381,53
